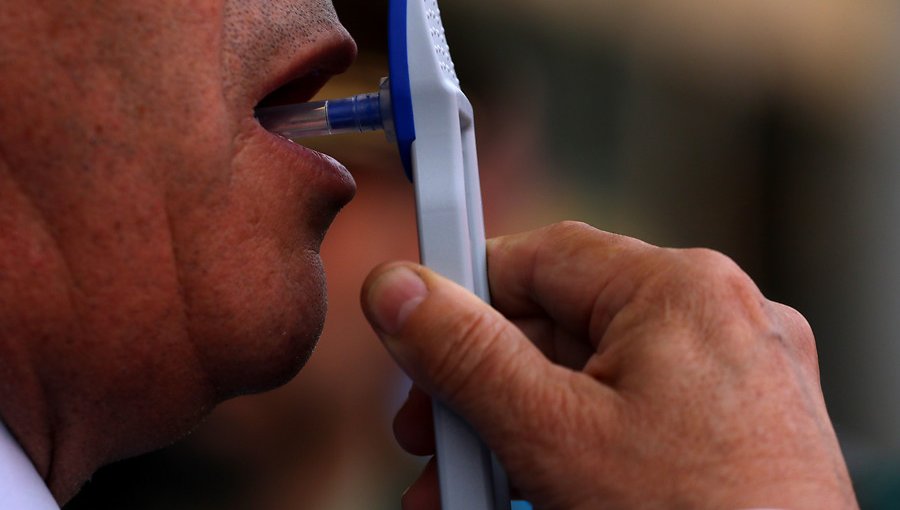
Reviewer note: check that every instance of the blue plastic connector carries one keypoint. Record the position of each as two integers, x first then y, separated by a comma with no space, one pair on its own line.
321,118
357,113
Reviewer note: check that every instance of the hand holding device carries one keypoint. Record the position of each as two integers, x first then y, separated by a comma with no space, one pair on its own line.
619,375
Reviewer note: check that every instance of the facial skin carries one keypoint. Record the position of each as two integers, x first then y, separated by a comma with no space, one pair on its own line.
158,249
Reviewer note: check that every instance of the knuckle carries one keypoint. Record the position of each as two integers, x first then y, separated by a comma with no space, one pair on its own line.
568,229
799,333
719,278
580,241
711,262
799,324
707,291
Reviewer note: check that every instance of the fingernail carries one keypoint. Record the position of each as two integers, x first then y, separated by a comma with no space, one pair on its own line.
394,296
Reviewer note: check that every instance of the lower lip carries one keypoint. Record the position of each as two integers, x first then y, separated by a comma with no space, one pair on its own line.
327,175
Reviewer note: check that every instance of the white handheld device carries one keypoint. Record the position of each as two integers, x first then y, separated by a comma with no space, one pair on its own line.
451,229
422,108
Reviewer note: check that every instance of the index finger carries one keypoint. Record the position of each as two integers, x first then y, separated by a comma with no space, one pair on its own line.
576,275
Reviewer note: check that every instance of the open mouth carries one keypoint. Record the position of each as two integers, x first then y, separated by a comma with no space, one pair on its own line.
316,184
297,90
287,107
304,75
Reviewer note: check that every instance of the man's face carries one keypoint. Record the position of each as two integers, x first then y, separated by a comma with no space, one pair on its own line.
165,244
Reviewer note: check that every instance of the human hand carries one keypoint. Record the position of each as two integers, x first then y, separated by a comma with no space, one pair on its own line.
615,374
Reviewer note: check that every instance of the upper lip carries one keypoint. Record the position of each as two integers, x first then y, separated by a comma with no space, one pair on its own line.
300,77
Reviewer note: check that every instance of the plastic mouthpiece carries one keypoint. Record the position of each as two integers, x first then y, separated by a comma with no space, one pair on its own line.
350,115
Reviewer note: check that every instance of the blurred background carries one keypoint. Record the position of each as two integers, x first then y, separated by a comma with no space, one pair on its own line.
765,129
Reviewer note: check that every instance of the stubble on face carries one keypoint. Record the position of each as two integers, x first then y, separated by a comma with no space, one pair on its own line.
155,267
257,34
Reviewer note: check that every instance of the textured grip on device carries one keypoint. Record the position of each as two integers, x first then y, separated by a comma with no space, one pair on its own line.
439,40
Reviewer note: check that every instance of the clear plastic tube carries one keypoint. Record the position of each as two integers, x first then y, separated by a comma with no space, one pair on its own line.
334,116
296,120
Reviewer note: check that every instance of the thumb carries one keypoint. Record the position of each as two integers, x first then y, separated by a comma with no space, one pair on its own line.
462,351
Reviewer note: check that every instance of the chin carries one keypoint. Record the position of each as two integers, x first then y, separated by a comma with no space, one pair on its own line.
267,327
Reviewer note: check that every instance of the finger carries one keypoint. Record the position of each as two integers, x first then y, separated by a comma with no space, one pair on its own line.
414,424
556,343
461,350
577,275
424,493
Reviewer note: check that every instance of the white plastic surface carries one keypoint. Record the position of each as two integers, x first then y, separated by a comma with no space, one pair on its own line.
21,488
451,236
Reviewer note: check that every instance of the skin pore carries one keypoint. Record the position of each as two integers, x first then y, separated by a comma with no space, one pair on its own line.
158,250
